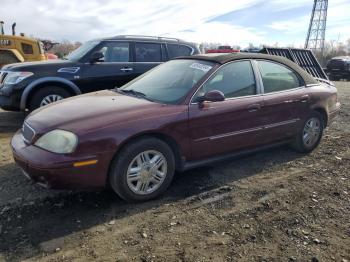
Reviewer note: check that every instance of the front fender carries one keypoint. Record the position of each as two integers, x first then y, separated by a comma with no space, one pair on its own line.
73,87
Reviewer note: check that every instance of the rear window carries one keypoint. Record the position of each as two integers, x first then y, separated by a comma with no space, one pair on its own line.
148,52
277,77
27,49
178,50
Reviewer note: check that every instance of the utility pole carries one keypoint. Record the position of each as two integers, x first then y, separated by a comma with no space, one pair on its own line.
317,28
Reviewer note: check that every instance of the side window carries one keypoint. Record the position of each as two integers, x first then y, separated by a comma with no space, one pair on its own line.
178,50
148,52
115,52
27,49
234,80
277,77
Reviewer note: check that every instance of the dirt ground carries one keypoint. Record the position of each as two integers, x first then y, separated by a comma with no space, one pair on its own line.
275,205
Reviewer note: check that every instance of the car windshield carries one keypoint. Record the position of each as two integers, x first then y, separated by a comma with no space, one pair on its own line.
82,50
170,82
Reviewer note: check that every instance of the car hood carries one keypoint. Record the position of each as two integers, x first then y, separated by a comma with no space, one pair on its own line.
28,66
93,111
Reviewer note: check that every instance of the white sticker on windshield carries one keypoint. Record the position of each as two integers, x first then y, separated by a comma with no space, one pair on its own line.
202,67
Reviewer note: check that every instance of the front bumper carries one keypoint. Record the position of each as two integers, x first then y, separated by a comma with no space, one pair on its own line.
10,96
339,73
10,103
56,171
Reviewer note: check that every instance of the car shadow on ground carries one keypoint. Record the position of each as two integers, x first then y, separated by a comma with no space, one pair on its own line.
28,224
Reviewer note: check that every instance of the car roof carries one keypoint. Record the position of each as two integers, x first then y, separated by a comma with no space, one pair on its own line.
221,58
341,58
146,38
226,58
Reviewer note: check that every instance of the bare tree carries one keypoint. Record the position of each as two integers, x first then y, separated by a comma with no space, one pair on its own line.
64,48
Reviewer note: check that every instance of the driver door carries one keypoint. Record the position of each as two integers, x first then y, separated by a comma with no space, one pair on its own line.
114,70
221,127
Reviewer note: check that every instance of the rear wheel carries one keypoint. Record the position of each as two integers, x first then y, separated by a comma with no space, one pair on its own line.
47,95
310,135
143,170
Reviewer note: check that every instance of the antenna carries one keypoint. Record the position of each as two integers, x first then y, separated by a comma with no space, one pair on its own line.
317,28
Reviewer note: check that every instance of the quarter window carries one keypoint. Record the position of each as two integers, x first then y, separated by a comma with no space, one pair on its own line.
234,80
115,52
277,77
148,52
178,50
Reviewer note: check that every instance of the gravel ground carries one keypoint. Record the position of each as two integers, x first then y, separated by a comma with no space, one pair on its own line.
275,205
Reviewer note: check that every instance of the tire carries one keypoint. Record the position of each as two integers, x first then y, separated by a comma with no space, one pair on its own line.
138,186
47,93
300,143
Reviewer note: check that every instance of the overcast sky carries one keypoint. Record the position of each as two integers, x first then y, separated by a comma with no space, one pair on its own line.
231,22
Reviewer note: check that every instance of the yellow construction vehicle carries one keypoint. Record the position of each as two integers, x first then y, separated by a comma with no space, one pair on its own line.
14,49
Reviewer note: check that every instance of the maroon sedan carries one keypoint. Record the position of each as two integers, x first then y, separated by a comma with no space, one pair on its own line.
182,114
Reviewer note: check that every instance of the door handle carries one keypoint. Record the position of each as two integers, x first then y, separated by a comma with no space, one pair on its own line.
254,107
305,98
126,69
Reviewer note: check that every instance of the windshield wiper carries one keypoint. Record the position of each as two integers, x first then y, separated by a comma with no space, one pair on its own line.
135,93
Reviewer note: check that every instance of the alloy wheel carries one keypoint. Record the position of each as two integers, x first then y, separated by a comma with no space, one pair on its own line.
50,99
146,172
311,132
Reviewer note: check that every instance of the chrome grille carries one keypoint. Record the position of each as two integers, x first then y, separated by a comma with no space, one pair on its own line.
28,133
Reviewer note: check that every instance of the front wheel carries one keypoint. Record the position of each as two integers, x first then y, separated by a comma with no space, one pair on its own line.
143,170
310,136
47,95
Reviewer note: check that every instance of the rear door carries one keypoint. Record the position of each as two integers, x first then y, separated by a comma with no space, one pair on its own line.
286,102
222,127
114,70
146,55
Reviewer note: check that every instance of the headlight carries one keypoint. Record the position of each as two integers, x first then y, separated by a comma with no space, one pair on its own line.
58,141
13,78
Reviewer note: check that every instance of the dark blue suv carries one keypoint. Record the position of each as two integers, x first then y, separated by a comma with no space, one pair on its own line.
97,64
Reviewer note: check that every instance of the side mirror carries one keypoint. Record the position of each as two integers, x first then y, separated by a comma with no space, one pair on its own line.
212,96
96,57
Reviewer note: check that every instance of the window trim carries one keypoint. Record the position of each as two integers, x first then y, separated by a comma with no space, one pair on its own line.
280,64
164,51
257,83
